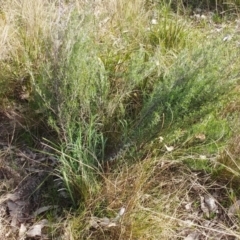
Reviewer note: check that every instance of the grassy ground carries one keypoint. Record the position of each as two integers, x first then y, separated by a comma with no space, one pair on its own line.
139,103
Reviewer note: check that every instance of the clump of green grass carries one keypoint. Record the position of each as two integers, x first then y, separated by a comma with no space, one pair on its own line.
169,32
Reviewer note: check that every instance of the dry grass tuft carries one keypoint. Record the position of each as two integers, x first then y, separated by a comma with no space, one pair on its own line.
162,200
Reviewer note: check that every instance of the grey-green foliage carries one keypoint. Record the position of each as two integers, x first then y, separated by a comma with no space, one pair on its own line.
71,90
170,32
73,84
83,86
193,87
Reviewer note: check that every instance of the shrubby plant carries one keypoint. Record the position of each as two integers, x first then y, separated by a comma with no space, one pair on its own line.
192,89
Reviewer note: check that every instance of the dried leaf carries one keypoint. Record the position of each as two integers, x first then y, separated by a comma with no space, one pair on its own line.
160,139
170,148
13,196
203,157
208,205
22,230
227,38
112,224
93,223
234,209
13,211
188,206
43,209
104,222
193,236
186,223
36,229
211,204
204,208
24,96
12,207
200,136
122,211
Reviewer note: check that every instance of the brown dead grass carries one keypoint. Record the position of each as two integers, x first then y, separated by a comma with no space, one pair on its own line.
156,194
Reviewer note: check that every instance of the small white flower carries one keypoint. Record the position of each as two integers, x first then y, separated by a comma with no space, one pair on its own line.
154,21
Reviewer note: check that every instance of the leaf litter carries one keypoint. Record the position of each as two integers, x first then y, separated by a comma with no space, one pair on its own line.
178,202
23,173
